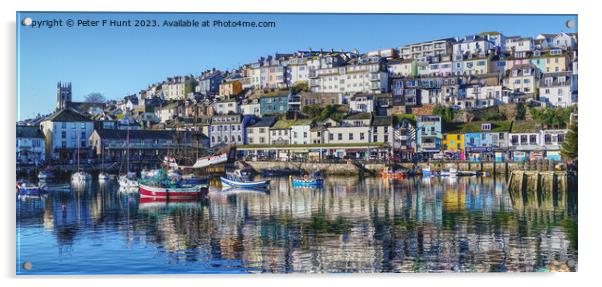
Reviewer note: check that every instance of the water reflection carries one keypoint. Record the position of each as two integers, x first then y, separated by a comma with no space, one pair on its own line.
351,225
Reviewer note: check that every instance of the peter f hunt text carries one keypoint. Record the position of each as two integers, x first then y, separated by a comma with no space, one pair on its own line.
151,23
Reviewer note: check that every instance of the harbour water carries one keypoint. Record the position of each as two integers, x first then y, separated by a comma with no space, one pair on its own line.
351,225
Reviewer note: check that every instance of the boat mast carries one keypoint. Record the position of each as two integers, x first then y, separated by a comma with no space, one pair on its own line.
77,145
127,150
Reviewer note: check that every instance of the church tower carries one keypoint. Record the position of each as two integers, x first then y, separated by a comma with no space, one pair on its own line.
63,95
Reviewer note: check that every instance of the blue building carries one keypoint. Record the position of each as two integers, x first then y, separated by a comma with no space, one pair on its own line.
484,145
274,103
428,134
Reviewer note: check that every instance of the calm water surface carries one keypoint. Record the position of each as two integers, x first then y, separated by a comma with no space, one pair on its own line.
352,225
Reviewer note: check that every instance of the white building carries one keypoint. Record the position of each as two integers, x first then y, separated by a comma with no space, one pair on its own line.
226,107
362,103
65,132
251,108
301,131
472,45
557,90
361,77
30,145
520,44
427,49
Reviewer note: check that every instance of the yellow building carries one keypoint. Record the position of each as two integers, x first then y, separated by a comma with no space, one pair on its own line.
453,142
230,88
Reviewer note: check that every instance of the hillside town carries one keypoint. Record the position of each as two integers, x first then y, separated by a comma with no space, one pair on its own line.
482,97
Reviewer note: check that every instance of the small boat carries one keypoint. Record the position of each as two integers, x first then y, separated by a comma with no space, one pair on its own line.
80,177
164,186
29,189
313,181
56,187
103,177
128,182
176,191
467,173
426,172
45,175
452,172
389,173
236,180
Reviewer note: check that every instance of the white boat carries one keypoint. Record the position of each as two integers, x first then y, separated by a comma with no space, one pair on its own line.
426,172
45,175
128,183
452,172
236,180
103,177
80,177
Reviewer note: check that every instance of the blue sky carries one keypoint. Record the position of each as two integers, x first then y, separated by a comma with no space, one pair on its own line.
121,61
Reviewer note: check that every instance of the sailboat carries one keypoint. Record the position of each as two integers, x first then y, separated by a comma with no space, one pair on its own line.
80,176
128,182
103,176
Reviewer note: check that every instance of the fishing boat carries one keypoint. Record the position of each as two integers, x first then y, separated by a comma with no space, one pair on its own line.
236,180
314,181
29,189
163,186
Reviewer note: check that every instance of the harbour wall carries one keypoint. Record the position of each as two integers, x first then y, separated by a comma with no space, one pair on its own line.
355,168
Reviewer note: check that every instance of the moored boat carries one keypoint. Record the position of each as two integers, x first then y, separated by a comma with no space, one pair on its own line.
177,191
452,172
389,173
313,181
80,177
426,172
103,176
29,189
45,175
128,182
236,180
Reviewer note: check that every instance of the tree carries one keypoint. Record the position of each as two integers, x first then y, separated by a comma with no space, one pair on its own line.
447,114
95,98
520,111
570,145
299,86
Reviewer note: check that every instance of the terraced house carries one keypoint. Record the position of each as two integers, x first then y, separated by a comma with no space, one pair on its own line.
229,129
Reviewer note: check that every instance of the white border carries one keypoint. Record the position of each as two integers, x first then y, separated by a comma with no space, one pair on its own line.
590,95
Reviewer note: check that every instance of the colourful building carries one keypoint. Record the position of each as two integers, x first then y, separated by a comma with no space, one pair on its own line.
452,142
230,88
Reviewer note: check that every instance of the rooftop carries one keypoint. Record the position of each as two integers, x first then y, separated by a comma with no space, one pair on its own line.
67,115
29,132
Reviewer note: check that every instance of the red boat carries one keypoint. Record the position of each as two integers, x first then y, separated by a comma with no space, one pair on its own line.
180,192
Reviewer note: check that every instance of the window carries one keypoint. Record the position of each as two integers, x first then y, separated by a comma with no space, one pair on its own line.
362,136
514,140
532,139
350,136
523,139
374,138
340,136
330,136
386,138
